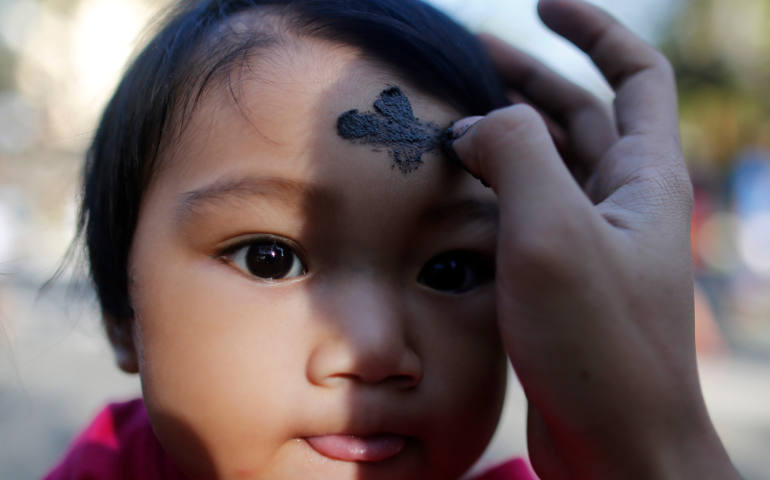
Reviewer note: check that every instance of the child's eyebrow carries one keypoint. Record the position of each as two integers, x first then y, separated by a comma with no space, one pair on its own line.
285,190
296,194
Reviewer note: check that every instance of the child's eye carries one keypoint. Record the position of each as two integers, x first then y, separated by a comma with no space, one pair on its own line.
456,271
266,257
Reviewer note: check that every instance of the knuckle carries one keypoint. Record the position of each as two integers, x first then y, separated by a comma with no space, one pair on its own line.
663,63
510,122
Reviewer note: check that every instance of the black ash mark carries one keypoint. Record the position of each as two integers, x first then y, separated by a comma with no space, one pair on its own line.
394,126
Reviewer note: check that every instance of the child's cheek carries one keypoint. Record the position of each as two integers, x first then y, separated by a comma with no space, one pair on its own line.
469,371
218,363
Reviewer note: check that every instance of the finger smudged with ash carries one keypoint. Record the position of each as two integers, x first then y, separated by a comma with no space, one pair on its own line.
392,125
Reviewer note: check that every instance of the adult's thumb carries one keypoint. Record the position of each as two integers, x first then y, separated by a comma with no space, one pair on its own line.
512,151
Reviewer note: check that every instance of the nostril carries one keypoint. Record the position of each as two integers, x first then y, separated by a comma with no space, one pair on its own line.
403,382
396,382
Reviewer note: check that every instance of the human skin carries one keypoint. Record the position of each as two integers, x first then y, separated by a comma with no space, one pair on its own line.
594,277
237,371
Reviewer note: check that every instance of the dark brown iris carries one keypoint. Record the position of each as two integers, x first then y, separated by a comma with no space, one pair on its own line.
269,259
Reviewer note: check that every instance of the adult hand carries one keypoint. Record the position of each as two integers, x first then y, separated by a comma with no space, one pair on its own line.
594,275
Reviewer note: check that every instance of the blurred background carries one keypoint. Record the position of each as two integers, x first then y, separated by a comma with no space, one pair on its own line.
60,59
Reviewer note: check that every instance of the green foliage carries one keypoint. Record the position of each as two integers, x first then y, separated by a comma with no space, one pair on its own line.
721,54
7,69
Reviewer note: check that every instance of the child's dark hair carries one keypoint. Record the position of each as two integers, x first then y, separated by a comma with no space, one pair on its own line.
194,48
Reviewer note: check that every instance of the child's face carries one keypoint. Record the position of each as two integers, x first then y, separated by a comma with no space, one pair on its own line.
294,314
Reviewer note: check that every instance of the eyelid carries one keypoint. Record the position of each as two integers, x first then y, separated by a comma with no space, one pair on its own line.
244,240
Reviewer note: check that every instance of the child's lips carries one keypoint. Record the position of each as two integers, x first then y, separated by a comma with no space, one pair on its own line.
354,448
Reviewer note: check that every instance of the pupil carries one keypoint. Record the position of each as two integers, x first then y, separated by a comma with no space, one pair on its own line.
446,275
269,260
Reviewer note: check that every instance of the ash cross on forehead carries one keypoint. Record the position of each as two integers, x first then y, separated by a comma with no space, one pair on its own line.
394,126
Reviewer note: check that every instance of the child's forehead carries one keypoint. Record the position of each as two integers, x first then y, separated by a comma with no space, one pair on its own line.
289,98
303,74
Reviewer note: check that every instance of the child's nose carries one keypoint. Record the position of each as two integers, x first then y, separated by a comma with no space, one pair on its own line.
366,342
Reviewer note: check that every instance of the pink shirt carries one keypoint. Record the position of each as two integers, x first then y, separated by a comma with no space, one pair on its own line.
120,445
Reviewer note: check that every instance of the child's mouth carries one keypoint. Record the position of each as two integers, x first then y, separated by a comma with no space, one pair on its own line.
353,448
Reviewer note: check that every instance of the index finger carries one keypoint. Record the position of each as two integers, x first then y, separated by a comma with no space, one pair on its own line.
640,75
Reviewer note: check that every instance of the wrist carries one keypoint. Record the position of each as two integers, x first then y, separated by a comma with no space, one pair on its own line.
682,450
696,453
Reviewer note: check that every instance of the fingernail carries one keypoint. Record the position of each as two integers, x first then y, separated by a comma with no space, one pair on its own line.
455,131
461,127
450,135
